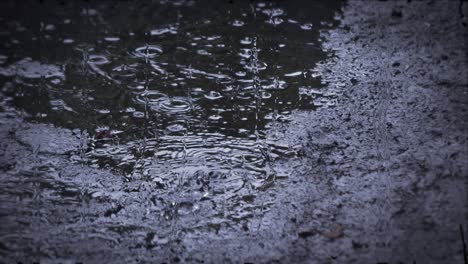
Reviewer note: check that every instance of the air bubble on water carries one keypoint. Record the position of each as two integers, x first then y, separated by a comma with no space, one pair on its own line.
111,39
237,23
213,95
103,111
266,95
241,73
147,51
89,12
246,41
138,114
245,53
215,117
203,52
55,81
50,27
176,128
307,26
97,59
213,38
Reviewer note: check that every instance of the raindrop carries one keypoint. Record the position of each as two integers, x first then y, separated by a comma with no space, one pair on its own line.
215,117
246,41
307,26
213,95
138,114
112,39
241,73
97,59
238,23
176,128
266,95
203,52
148,51
103,111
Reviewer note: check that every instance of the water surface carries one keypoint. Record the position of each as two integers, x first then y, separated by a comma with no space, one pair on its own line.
179,94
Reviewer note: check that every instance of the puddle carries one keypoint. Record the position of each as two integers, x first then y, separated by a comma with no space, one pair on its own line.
175,72
176,93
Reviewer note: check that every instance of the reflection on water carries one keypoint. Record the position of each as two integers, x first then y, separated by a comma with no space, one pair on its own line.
178,93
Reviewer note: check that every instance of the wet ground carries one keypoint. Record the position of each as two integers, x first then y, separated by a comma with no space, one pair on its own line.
193,131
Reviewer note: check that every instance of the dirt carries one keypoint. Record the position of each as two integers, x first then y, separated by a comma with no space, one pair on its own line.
389,161
380,177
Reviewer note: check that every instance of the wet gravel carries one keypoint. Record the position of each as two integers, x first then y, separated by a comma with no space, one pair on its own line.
379,177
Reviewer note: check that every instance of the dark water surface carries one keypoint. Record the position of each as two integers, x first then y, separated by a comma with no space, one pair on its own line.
177,93
180,79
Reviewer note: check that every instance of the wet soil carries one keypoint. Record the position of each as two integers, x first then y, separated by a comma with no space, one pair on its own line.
388,163
378,177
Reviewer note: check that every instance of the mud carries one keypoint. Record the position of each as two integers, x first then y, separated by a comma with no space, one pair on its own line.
378,177
389,161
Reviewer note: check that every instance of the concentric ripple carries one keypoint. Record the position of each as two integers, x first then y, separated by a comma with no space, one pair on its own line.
177,101
148,51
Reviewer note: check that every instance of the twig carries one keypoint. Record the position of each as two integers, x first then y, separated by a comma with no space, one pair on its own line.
464,244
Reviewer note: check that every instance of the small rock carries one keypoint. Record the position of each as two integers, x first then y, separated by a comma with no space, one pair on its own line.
335,233
307,233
